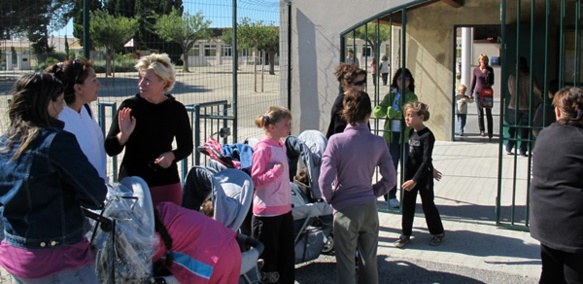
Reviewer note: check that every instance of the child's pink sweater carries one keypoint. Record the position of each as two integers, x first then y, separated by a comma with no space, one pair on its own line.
272,196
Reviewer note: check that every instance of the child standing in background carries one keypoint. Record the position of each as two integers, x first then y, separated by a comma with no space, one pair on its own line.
272,218
390,109
462,107
419,176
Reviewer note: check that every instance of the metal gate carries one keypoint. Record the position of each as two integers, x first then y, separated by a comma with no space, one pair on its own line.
546,34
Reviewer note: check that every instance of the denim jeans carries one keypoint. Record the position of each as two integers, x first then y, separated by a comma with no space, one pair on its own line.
85,274
518,122
461,121
480,112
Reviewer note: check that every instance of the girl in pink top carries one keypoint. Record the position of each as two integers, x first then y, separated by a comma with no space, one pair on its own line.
272,218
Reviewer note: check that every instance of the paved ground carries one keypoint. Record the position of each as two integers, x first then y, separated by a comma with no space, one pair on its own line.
475,249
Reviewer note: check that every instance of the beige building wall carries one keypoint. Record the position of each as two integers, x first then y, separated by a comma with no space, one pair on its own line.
316,29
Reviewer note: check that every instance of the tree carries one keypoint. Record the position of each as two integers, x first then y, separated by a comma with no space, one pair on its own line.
185,30
257,37
67,51
368,33
270,44
77,15
23,16
110,32
148,12
35,19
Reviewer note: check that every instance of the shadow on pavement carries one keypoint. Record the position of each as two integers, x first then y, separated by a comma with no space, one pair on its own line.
390,271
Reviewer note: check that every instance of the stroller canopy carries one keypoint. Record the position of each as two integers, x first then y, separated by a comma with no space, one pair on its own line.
233,195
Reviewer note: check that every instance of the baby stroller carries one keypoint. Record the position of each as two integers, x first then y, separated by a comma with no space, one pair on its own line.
231,193
123,233
125,240
312,216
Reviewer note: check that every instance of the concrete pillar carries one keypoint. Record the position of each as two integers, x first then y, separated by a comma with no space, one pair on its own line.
8,60
201,61
466,71
219,53
19,60
395,50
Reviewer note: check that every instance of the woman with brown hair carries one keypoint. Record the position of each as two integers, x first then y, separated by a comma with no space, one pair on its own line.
348,76
81,86
348,164
556,192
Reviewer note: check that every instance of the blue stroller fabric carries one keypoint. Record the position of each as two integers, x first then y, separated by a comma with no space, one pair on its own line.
197,187
239,152
233,196
309,146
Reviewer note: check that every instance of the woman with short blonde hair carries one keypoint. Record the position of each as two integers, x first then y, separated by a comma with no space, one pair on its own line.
146,126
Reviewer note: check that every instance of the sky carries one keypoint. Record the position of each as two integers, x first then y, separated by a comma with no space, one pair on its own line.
220,12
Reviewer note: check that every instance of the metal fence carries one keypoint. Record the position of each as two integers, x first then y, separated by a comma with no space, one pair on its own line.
245,76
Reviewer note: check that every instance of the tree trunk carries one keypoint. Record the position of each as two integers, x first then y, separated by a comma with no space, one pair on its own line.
255,70
107,61
262,69
185,60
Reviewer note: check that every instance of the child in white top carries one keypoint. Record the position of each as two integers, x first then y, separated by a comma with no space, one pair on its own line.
461,110
272,219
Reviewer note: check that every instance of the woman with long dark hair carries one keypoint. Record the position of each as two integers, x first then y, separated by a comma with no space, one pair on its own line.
45,180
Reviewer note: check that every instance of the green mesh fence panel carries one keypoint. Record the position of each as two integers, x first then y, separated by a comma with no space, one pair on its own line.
249,88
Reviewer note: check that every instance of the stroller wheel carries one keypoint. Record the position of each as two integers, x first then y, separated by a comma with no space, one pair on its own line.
328,247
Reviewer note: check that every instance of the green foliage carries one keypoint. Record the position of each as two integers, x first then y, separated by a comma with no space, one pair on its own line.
109,31
185,30
254,35
369,33
77,14
52,58
120,66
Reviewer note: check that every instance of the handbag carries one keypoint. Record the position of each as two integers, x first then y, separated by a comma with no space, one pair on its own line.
487,98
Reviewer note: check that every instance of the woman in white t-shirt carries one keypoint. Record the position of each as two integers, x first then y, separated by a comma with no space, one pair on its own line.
81,87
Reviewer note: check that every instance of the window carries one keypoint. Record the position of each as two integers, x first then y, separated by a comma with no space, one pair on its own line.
210,50
195,50
227,50
367,51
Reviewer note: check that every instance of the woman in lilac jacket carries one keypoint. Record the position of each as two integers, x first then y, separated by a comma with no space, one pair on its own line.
348,165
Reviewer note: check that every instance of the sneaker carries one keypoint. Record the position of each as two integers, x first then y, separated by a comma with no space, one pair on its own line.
462,133
523,154
270,277
436,240
393,203
402,241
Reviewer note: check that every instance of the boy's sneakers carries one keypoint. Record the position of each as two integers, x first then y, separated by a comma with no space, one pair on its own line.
402,241
437,239
393,203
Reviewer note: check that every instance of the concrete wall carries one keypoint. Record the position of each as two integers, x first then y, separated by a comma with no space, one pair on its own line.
315,51
316,30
